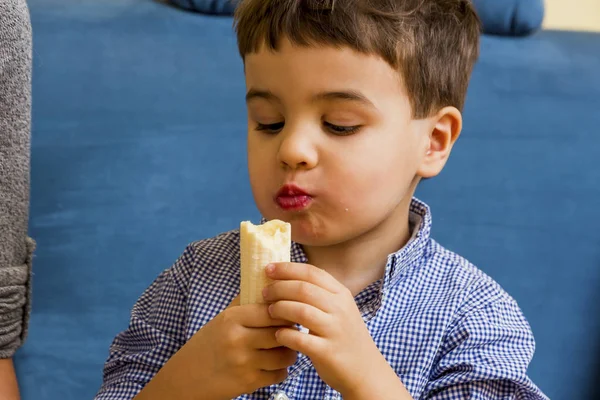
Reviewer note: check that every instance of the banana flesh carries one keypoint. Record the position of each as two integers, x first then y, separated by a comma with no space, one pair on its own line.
261,245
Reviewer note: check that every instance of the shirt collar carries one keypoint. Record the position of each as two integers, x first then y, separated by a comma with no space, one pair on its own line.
404,260
409,257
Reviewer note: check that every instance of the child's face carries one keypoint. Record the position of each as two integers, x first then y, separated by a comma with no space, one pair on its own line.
337,124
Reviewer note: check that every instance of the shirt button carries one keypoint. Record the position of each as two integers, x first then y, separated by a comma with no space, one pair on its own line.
280,396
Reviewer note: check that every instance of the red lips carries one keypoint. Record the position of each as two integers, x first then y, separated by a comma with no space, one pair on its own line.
292,198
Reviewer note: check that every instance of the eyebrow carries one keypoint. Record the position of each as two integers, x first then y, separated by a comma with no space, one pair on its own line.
343,95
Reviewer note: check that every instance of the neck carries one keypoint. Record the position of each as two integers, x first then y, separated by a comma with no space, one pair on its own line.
361,261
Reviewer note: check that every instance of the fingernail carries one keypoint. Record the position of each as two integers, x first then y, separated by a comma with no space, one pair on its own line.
271,309
270,268
265,292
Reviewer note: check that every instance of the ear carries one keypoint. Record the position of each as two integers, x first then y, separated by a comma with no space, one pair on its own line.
445,129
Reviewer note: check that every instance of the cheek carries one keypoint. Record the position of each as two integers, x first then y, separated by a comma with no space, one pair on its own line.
257,165
263,173
377,176
260,150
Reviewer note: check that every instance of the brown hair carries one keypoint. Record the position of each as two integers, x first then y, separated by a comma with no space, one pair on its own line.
432,43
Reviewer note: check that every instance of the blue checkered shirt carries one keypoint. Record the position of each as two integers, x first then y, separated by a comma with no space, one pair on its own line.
448,330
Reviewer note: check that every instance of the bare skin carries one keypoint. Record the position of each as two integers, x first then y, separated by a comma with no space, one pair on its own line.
235,353
9,390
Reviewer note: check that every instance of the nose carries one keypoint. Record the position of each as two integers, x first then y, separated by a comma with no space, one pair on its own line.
298,149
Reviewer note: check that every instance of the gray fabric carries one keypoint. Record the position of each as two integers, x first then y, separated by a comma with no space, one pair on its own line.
15,121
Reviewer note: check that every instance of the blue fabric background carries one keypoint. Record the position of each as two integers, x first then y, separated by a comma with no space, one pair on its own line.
139,148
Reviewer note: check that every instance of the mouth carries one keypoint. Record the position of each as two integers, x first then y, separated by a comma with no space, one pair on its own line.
293,198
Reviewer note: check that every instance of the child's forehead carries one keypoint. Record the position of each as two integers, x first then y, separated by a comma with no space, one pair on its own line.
319,62
293,75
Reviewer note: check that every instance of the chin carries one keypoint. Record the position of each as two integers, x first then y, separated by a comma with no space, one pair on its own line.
316,241
312,232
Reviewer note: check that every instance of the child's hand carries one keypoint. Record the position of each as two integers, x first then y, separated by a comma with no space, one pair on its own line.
339,344
237,353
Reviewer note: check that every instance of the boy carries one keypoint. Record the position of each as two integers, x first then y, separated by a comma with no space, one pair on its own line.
350,104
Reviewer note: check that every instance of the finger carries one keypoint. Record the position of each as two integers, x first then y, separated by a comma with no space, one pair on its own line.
302,292
305,343
262,338
304,272
255,316
315,320
275,359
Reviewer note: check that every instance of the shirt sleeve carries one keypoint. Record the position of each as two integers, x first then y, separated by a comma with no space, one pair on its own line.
156,332
16,248
485,357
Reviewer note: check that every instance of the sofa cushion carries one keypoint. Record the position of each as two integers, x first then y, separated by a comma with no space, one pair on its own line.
510,17
506,17
208,6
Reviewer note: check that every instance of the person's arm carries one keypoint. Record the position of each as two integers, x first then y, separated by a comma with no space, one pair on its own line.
8,381
15,247
486,356
233,351
156,332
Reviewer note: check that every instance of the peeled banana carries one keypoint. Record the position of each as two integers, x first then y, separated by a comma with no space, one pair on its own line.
261,245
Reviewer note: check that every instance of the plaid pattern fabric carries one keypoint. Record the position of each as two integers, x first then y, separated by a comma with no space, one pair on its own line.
449,331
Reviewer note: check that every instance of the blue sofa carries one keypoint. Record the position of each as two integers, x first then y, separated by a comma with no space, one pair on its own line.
139,149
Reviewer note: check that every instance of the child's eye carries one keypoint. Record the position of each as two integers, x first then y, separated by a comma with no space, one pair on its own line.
270,128
341,130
